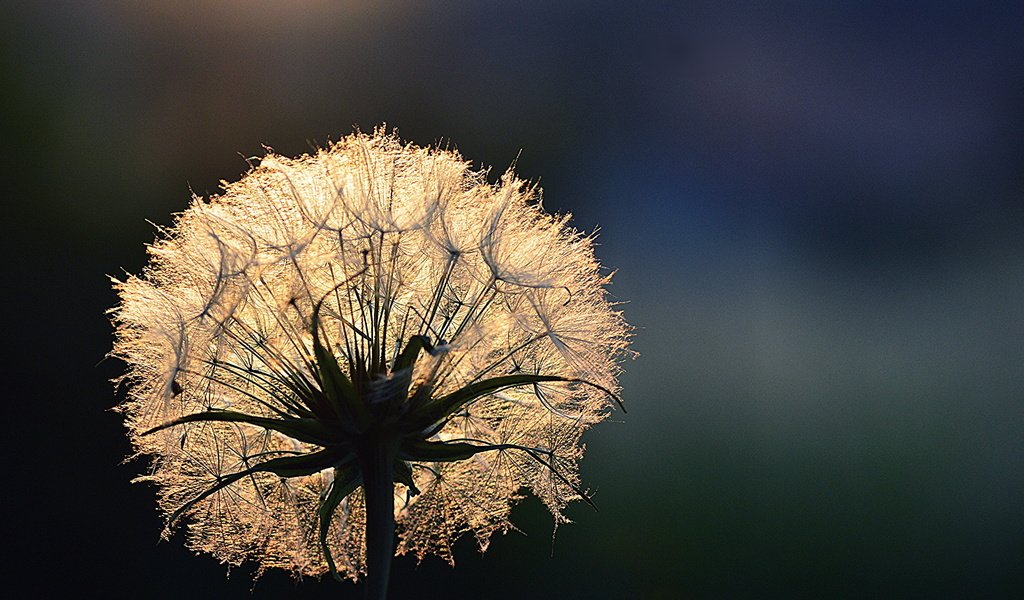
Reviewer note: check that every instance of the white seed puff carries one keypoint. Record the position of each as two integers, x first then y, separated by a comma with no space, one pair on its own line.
397,241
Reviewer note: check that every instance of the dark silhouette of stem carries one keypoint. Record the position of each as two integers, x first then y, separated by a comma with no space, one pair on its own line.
377,457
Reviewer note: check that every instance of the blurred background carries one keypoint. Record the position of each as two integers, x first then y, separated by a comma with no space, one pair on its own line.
815,211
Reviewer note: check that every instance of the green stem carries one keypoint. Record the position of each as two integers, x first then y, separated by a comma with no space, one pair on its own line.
377,458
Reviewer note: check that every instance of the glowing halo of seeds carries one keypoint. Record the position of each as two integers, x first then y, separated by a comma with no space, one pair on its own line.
374,301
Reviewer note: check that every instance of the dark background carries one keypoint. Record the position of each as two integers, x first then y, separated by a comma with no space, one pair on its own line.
816,213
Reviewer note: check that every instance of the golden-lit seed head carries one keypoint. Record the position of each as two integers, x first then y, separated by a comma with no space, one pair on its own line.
401,241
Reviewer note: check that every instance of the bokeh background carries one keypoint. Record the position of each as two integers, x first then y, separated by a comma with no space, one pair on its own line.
815,210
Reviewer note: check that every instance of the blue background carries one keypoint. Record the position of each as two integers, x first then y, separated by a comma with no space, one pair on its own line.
815,212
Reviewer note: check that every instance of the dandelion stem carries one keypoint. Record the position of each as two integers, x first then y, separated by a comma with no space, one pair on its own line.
377,456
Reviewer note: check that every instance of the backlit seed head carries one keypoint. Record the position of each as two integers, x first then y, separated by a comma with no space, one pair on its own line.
361,251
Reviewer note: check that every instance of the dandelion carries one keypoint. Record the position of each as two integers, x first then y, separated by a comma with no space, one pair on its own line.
367,351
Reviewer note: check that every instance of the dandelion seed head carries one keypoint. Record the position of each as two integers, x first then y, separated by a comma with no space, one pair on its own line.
368,247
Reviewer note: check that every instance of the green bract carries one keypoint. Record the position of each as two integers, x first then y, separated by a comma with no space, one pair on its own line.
331,412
